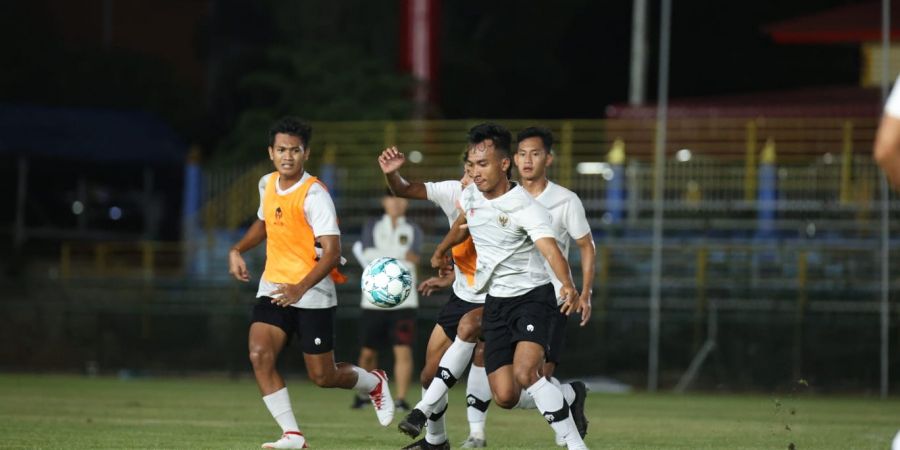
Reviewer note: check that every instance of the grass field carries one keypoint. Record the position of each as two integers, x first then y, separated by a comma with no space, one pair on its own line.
43,411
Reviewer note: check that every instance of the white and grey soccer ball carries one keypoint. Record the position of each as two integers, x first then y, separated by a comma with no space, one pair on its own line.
386,282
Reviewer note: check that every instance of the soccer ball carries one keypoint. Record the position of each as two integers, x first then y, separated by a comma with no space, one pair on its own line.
386,282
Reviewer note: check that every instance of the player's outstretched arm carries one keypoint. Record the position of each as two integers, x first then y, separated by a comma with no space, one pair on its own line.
457,235
887,149
288,294
237,267
547,246
433,284
390,161
588,256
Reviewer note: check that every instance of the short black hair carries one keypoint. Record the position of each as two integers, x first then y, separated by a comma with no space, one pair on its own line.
498,134
540,132
293,126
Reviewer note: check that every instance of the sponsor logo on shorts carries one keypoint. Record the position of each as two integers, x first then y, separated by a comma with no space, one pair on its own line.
530,328
318,341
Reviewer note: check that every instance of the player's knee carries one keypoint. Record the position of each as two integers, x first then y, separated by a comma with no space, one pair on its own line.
506,399
262,358
468,331
425,380
525,376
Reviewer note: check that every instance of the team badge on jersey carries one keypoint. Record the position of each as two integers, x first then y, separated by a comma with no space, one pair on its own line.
504,220
403,239
278,216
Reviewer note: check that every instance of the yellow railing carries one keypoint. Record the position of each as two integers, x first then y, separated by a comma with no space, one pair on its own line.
726,154
125,259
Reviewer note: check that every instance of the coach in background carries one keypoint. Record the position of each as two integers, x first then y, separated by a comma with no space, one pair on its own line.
393,236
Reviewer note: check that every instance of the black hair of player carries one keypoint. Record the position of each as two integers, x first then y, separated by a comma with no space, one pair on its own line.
543,133
293,126
499,136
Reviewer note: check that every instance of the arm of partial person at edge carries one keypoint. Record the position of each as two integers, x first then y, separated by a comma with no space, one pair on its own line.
887,148
402,188
331,257
253,237
547,246
588,266
457,235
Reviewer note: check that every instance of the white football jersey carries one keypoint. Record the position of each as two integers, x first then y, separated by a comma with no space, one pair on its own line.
568,220
504,230
446,194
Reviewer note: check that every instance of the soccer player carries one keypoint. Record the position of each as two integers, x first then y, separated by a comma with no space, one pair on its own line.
392,235
458,325
296,294
887,154
569,223
512,236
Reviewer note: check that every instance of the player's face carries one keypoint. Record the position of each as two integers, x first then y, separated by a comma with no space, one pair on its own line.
532,159
288,155
394,206
486,166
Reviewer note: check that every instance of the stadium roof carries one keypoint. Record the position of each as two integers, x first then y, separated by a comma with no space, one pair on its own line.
860,22
81,134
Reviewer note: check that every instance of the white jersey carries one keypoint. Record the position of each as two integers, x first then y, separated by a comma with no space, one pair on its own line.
892,106
446,194
322,218
568,221
381,238
504,230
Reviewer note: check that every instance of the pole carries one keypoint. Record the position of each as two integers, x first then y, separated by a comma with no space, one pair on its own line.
658,179
638,69
885,204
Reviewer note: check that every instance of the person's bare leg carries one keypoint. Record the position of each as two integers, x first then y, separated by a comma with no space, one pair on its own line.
403,367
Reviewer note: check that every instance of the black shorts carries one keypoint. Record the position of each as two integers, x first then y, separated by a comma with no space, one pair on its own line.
379,328
557,337
314,327
508,320
452,313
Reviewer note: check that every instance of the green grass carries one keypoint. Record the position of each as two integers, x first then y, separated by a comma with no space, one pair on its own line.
38,411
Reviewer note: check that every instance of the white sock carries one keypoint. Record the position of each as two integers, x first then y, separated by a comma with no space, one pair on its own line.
478,390
365,381
568,392
279,404
436,430
451,366
550,402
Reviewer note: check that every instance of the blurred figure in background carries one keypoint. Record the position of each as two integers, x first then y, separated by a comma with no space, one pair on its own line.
392,236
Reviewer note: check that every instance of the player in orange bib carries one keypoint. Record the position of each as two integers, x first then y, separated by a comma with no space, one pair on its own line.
297,295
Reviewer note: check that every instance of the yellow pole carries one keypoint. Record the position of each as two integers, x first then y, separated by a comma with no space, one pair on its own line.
603,277
847,162
147,259
700,285
65,261
565,153
750,163
390,134
798,314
